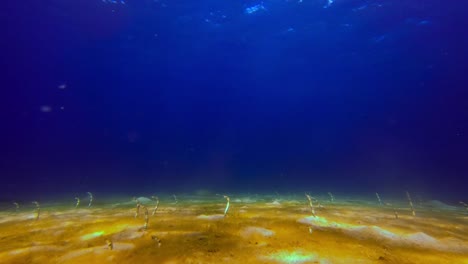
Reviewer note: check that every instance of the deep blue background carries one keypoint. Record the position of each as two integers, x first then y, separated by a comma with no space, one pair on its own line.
359,97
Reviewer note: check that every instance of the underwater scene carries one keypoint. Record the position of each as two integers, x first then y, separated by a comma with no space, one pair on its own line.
234,131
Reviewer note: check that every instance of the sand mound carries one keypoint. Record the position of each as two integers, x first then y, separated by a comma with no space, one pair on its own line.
252,230
416,240
211,217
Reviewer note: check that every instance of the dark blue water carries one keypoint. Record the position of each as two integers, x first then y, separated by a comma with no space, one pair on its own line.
244,96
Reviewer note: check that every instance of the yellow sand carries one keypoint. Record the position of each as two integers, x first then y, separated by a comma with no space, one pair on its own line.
262,231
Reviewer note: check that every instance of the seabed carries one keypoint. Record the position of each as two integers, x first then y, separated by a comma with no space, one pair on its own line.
255,229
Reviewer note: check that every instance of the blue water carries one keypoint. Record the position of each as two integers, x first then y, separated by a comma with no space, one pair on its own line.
142,96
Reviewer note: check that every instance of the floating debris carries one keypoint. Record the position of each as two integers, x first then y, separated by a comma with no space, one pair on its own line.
45,108
254,9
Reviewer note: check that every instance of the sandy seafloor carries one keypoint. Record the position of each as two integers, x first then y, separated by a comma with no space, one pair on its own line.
256,229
